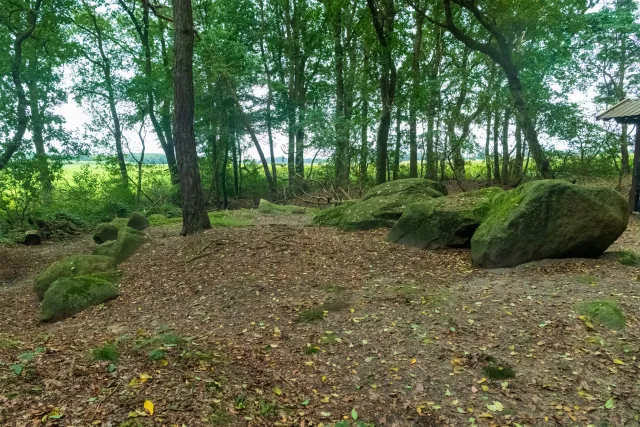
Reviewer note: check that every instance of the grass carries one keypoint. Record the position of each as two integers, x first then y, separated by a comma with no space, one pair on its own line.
606,313
628,258
108,352
311,315
8,343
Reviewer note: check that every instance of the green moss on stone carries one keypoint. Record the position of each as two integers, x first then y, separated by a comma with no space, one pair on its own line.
70,295
607,313
105,232
75,265
445,222
138,221
410,186
549,219
269,208
120,222
127,243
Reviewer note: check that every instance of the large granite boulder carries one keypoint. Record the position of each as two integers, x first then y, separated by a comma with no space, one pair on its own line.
70,295
382,206
72,266
549,219
445,222
128,241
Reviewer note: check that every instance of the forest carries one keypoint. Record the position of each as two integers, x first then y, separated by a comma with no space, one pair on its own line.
319,213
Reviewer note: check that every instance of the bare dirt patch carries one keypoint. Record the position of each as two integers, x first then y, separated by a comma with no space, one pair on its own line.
211,330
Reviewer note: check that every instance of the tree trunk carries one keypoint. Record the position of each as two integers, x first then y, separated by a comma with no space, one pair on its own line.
432,105
396,152
267,73
194,213
487,153
111,97
165,110
16,65
496,151
383,24
415,96
519,160
301,96
364,126
37,127
342,139
505,145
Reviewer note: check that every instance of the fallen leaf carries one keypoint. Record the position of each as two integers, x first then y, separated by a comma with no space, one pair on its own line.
149,407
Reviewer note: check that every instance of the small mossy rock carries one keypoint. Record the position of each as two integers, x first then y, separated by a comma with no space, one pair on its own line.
549,219
71,295
374,212
128,241
120,222
445,222
138,221
269,208
105,232
409,187
75,265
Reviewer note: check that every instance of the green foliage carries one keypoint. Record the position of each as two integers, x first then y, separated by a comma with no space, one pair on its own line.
629,258
607,313
107,352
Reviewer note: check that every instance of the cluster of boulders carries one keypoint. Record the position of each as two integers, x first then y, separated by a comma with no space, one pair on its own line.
77,282
537,220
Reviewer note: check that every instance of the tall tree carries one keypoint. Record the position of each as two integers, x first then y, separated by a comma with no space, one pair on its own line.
383,19
194,212
20,35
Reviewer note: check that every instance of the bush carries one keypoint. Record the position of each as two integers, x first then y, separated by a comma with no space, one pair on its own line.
108,352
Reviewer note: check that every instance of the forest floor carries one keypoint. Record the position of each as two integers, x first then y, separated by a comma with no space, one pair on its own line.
280,323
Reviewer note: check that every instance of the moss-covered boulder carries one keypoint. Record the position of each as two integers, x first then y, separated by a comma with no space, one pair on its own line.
70,295
105,232
120,222
409,187
138,221
382,206
269,208
128,241
72,266
549,219
445,222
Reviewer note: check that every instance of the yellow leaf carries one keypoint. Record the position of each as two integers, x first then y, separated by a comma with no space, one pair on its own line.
149,406
276,332
413,361
485,388
309,363
277,390
618,362
481,380
164,362
324,378
144,377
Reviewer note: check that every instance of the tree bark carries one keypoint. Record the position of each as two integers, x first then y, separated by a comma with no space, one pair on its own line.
433,74
194,213
415,96
516,173
364,125
267,74
342,139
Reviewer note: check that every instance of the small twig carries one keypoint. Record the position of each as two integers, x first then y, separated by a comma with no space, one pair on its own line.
196,257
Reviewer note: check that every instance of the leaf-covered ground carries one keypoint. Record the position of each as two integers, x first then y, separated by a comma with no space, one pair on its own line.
285,324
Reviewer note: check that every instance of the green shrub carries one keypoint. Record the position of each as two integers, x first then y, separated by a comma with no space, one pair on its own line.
108,352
